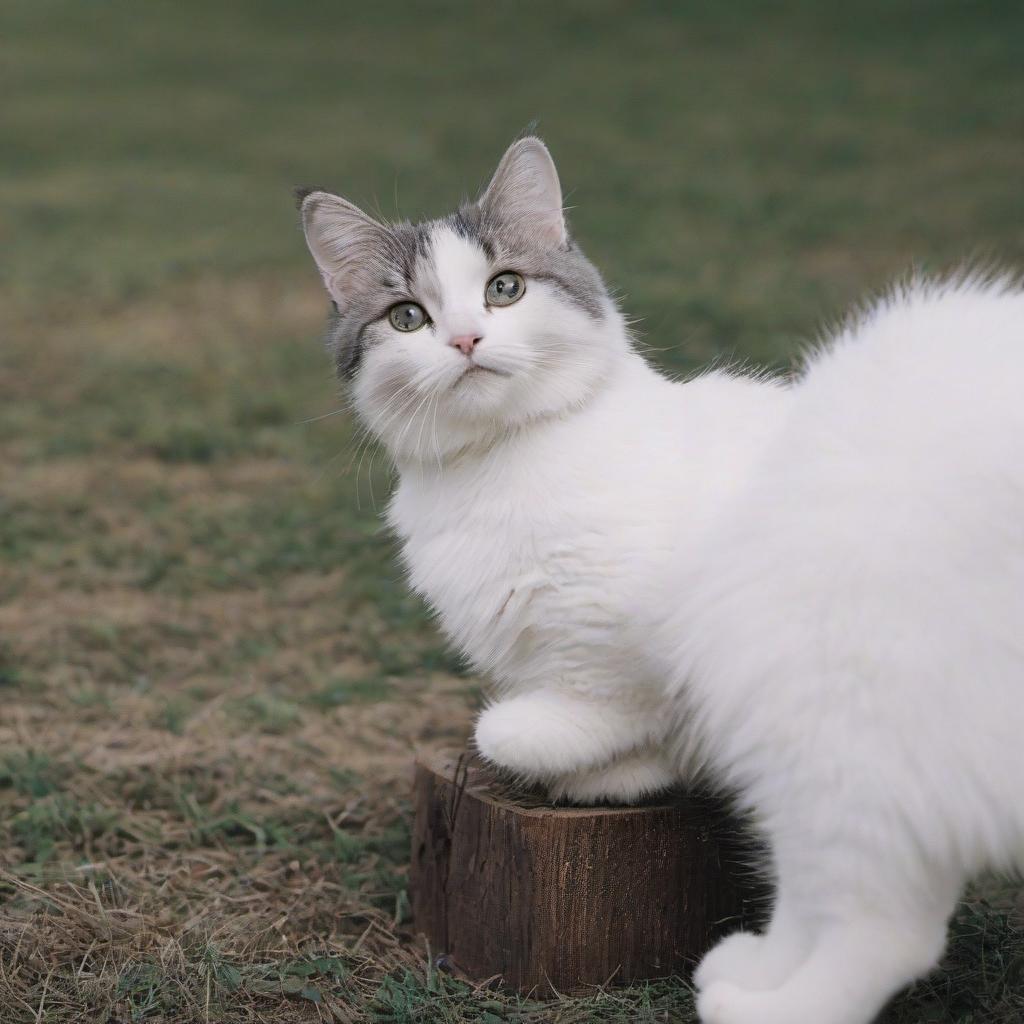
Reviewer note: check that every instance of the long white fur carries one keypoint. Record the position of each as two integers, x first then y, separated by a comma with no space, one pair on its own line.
811,591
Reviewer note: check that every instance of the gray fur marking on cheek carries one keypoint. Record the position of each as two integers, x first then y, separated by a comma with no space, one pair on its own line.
346,350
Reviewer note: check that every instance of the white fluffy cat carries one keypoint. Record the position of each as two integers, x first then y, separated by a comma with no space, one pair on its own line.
810,591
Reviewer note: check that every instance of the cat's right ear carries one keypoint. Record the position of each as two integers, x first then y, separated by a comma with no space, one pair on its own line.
344,241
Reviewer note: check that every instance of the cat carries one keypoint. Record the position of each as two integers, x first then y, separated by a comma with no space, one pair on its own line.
808,589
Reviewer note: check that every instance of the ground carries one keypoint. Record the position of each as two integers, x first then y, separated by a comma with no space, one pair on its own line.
212,678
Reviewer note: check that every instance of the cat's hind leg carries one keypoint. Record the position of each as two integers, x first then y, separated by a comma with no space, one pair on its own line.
551,733
857,964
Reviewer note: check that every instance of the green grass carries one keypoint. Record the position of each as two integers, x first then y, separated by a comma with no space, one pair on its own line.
212,673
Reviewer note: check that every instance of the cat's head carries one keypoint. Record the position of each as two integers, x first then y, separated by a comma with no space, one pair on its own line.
453,331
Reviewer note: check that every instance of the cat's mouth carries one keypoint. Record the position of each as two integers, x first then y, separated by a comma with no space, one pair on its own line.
477,370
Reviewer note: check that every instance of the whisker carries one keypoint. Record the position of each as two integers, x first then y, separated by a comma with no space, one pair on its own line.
412,420
437,444
322,416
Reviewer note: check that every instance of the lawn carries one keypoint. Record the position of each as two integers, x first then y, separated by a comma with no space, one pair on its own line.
212,678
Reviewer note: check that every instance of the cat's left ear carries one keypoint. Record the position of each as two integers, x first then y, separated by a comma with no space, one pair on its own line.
525,195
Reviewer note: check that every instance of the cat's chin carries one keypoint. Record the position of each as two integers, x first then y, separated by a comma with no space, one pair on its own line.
483,395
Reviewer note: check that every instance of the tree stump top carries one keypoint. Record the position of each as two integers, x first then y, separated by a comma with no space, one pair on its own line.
488,786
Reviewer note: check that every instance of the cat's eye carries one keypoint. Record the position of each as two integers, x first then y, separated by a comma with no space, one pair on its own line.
407,316
504,289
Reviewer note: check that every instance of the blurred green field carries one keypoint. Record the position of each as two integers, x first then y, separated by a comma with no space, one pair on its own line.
212,677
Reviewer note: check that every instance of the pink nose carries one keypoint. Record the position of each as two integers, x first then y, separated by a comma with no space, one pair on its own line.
465,343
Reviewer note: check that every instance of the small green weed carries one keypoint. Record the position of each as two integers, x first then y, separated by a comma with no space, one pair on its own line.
352,691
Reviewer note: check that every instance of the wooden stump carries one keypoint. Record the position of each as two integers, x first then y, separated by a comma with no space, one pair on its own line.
541,897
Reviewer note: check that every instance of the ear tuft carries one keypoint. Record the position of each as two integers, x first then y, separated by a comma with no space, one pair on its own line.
299,193
525,193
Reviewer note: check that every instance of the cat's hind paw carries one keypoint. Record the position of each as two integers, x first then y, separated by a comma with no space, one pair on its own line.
736,959
723,1003
754,963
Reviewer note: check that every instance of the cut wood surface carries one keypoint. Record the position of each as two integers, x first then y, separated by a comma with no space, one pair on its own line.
542,898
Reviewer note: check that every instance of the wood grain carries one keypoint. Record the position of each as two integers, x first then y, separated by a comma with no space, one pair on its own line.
562,898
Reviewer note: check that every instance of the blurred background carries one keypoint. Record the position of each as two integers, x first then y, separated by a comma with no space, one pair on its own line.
211,677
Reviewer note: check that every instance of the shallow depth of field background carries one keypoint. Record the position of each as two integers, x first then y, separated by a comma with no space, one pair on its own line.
211,676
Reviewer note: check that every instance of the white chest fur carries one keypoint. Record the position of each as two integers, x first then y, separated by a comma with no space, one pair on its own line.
535,554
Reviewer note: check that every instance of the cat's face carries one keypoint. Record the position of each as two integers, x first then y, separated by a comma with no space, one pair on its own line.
454,330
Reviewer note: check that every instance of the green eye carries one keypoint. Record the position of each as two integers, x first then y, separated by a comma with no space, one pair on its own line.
407,316
504,289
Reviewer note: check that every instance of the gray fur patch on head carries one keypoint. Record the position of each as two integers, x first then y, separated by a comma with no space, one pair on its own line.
508,247
391,282
517,223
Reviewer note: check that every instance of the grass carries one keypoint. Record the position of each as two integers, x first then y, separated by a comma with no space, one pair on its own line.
212,676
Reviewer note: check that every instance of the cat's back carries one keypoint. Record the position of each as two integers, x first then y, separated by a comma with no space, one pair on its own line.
903,450
933,373
903,439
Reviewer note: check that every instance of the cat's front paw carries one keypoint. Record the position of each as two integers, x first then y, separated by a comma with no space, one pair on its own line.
513,736
544,735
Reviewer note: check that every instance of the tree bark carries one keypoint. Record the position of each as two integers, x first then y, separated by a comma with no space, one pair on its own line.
507,887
